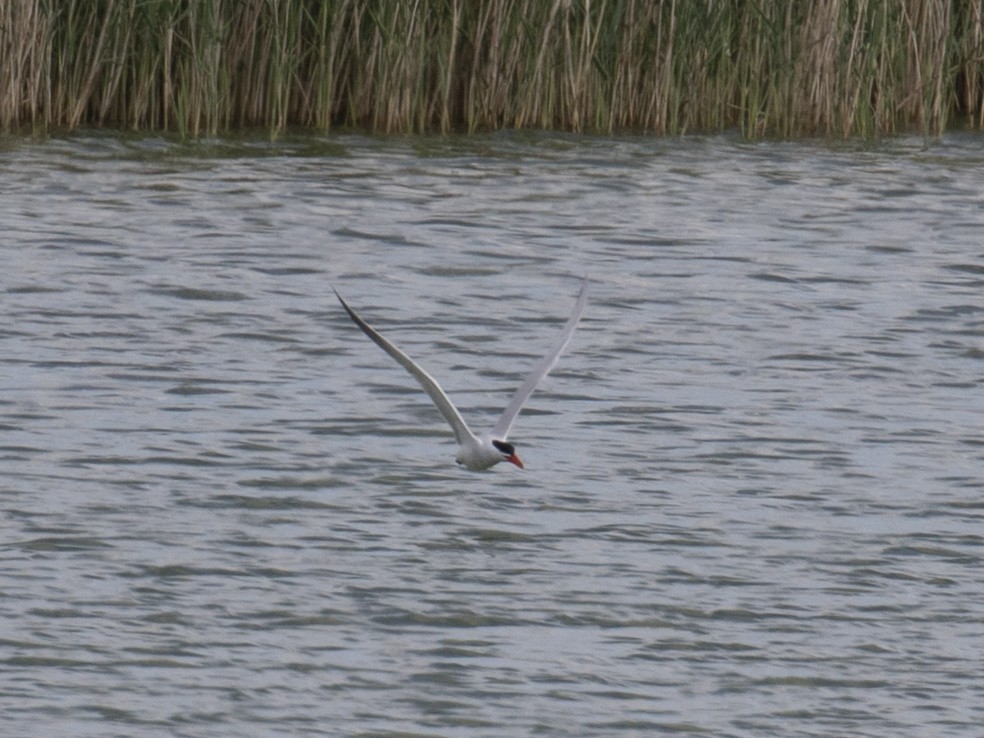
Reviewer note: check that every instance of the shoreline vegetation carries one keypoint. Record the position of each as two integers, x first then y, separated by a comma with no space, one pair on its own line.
776,68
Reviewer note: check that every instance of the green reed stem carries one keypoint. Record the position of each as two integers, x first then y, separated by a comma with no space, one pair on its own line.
768,67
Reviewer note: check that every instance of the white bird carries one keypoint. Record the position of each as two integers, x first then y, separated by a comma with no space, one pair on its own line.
473,452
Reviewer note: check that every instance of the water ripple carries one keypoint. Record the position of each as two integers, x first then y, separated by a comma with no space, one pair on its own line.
751,504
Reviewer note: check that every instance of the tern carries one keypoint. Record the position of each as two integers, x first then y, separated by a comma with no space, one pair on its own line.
477,453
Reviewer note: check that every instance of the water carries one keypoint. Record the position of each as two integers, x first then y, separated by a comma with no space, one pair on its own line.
753,498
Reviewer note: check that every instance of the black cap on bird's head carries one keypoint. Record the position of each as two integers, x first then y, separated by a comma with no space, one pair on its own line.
508,452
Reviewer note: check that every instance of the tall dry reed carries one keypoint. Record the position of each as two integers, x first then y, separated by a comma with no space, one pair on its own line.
768,67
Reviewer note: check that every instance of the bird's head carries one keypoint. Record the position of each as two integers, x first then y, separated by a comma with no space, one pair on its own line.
508,452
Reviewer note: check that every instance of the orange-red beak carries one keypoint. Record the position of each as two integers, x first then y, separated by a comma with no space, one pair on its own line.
514,459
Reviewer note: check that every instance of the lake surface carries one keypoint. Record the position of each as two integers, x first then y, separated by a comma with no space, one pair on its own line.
753,502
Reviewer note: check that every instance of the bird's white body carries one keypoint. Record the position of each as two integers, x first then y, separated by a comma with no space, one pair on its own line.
478,454
473,452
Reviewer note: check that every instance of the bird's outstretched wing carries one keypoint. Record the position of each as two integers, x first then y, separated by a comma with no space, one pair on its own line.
430,385
542,368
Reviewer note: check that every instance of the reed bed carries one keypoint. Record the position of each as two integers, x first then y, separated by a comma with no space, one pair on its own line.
768,67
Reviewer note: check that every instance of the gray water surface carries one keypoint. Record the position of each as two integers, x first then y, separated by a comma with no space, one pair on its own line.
753,501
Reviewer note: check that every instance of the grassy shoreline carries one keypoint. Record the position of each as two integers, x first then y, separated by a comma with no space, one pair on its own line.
836,68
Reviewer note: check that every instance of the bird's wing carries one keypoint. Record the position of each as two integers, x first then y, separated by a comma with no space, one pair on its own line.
430,385
542,368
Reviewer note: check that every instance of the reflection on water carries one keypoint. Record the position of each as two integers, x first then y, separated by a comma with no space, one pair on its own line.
752,503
